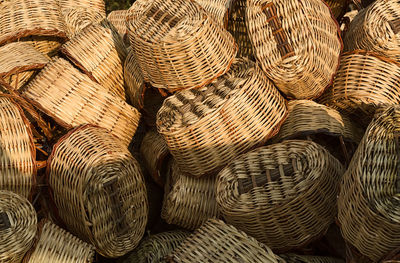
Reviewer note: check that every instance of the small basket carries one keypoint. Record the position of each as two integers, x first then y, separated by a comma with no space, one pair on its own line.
177,44
297,44
97,6
118,19
369,210
292,258
77,19
216,241
206,128
17,226
218,9
338,7
98,189
188,202
283,194
71,98
47,45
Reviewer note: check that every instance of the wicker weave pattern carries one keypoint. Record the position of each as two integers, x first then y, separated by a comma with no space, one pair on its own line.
296,42
134,81
47,45
99,190
76,19
218,9
338,7
118,19
292,258
97,6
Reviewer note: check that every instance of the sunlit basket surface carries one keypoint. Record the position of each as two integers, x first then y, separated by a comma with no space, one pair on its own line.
47,45
93,5
118,19
218,9
78,18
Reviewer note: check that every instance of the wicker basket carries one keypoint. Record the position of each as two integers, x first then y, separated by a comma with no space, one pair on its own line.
284,194
216,241
17,227
292,258
47,45
218,9
369,210
77,19
178,46
97,6
118,19
58,246
297,44
206,128
99,190
72,99
133,76
338,7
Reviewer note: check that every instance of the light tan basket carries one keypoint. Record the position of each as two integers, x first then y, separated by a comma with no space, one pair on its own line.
206,128
338,7
177,44
98,189
297,44
78,18
97,6
47,45
134,82
17,226
72,99
292,258
118,19
283,194
369,210
218,9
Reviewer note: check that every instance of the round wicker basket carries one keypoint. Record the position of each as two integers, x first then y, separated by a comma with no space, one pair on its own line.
118,19
206,128
98,189
78,18
369,202
297,44
338,7
97,6
17,227
284,194
218,9
292,258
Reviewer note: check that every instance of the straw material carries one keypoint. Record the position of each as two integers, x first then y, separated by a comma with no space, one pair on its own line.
135,87
72,99
188,202
118,19
78,18
283,194
218,242
97,6
21,18
292,258
369,202
177,44
17,227
206,128
338,7
55,245
99,190
218,9
47,45
297,44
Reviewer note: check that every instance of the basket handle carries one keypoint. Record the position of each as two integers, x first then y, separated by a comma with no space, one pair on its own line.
4,221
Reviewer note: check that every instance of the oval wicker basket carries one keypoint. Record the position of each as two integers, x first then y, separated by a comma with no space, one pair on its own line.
206,128
98,189
338,7
297,44
78,18
284,194
178,46
18,224
97,6
118,19
218,9
369,202
292,258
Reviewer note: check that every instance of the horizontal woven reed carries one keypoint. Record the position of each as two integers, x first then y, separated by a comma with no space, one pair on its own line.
17,226
98,189
71,98
218,9
47,45
57,245
188,202
283,194
338,7
118,19
292,258
297,44
21,18
206,128
216,241
369,202
177,44
97,6
78,18
133,76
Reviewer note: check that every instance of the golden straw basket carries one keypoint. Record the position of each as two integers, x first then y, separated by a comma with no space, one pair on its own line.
78,18
218,9
97,6
118,19
47,45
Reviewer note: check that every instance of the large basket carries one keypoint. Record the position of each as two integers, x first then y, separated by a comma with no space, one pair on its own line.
17,227
297,44
369,202
218,9
97,6
98,189
177,44
118,19
283,194
206,128
292,258
77,19
71,98
338,7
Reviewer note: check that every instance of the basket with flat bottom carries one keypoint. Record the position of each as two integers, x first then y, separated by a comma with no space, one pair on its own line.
292,258
283,194
206,128
97,6
78,18
297,44
369,202
98,190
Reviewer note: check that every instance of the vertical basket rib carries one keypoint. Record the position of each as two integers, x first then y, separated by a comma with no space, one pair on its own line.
97,6
78,18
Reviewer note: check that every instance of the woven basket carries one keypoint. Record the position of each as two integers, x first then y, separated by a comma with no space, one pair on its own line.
218,9
99,190
284,194
133,76
58,246
338,7
178,46
297,44
47,45
72,99
77,19
17,227
216,241
206,128
292,258
118,19
97,6
369,203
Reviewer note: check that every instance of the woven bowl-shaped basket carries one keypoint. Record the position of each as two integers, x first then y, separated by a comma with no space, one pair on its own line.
77,19
218,9
17,227
338,7
99,190
206,128
292,258
118,19
58,246
216,241
177,44
283,194
47,45
97,6
369,202
297,44
71,98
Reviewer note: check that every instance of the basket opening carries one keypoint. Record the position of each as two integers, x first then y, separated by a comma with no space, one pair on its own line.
4,221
